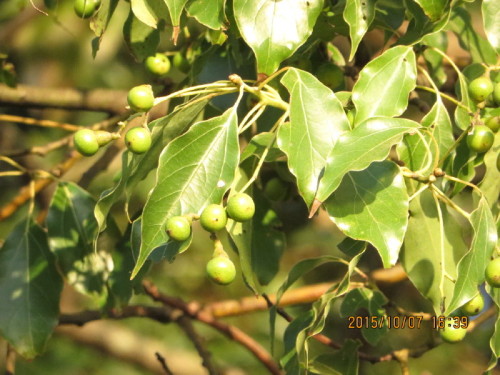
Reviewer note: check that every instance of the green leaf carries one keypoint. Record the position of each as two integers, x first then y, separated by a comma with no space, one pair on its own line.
141,39
495,338
370,141
317,119
258,144
30,289
149,12
430,254
175,8
289,360
359,15
471,267
372,205
491,20
461,25
412,150
275,29
434,9
343,362
259,245
370,300
489,185
72,228
100,22
433,59
194,170
384,84
211,15
136,167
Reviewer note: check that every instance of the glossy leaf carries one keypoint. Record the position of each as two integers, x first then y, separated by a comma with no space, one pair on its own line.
370,141
210,15
371,301
175,8
358,14
372,205
471,267
72,228
430,265
491,21
317,119
194,170
149,12
141,39
384,84
461,24
275,29
30,287
259,245
434,9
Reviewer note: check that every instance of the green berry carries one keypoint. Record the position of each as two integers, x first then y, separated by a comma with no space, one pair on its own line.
221,270
474,306
480,88
492,273
86,142
451,334
480,139
158,64
496,93
138,140
181,63
493,123
275,189
330,75
178,228
104,137
141,98
84,8
213,218
240,207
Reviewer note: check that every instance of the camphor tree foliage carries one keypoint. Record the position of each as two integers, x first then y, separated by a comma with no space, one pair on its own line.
260,118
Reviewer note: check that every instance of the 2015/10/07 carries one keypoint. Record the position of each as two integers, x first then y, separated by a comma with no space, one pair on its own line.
405,321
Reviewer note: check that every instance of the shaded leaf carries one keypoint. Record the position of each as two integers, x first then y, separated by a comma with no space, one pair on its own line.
358,14
258,144
210,15
434,9
343,362
175,8
141,39
149,12
100,21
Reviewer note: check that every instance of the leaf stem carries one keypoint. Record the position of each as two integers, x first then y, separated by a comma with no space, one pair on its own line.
446,96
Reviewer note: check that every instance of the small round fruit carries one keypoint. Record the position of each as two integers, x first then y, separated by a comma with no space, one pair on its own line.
493,123
181,63
275,189
178,228
213,218
480,88
141,98
330,75
240,207
138,140
221,270
492,273
496,93
104,137
480,139
451,334
159,64
474,306
84,8
86,142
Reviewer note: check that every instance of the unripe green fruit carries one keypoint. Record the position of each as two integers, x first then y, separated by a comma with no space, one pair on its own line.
159,64
138,140
213,218
480,88
496,93
240,207
330,75
480,139
178,228
84,8
181,63
141,98
452,335
474,306
275,189
493,123
221,270
86,142
492,273
104,137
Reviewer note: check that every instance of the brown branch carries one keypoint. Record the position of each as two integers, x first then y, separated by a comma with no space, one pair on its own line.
163,364
37,122
187,326
10,361
232,332
100,100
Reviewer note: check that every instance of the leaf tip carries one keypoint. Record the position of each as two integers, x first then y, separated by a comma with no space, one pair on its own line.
314,207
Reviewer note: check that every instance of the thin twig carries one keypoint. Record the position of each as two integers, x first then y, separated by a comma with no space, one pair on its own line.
37,122
10,361
163,363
